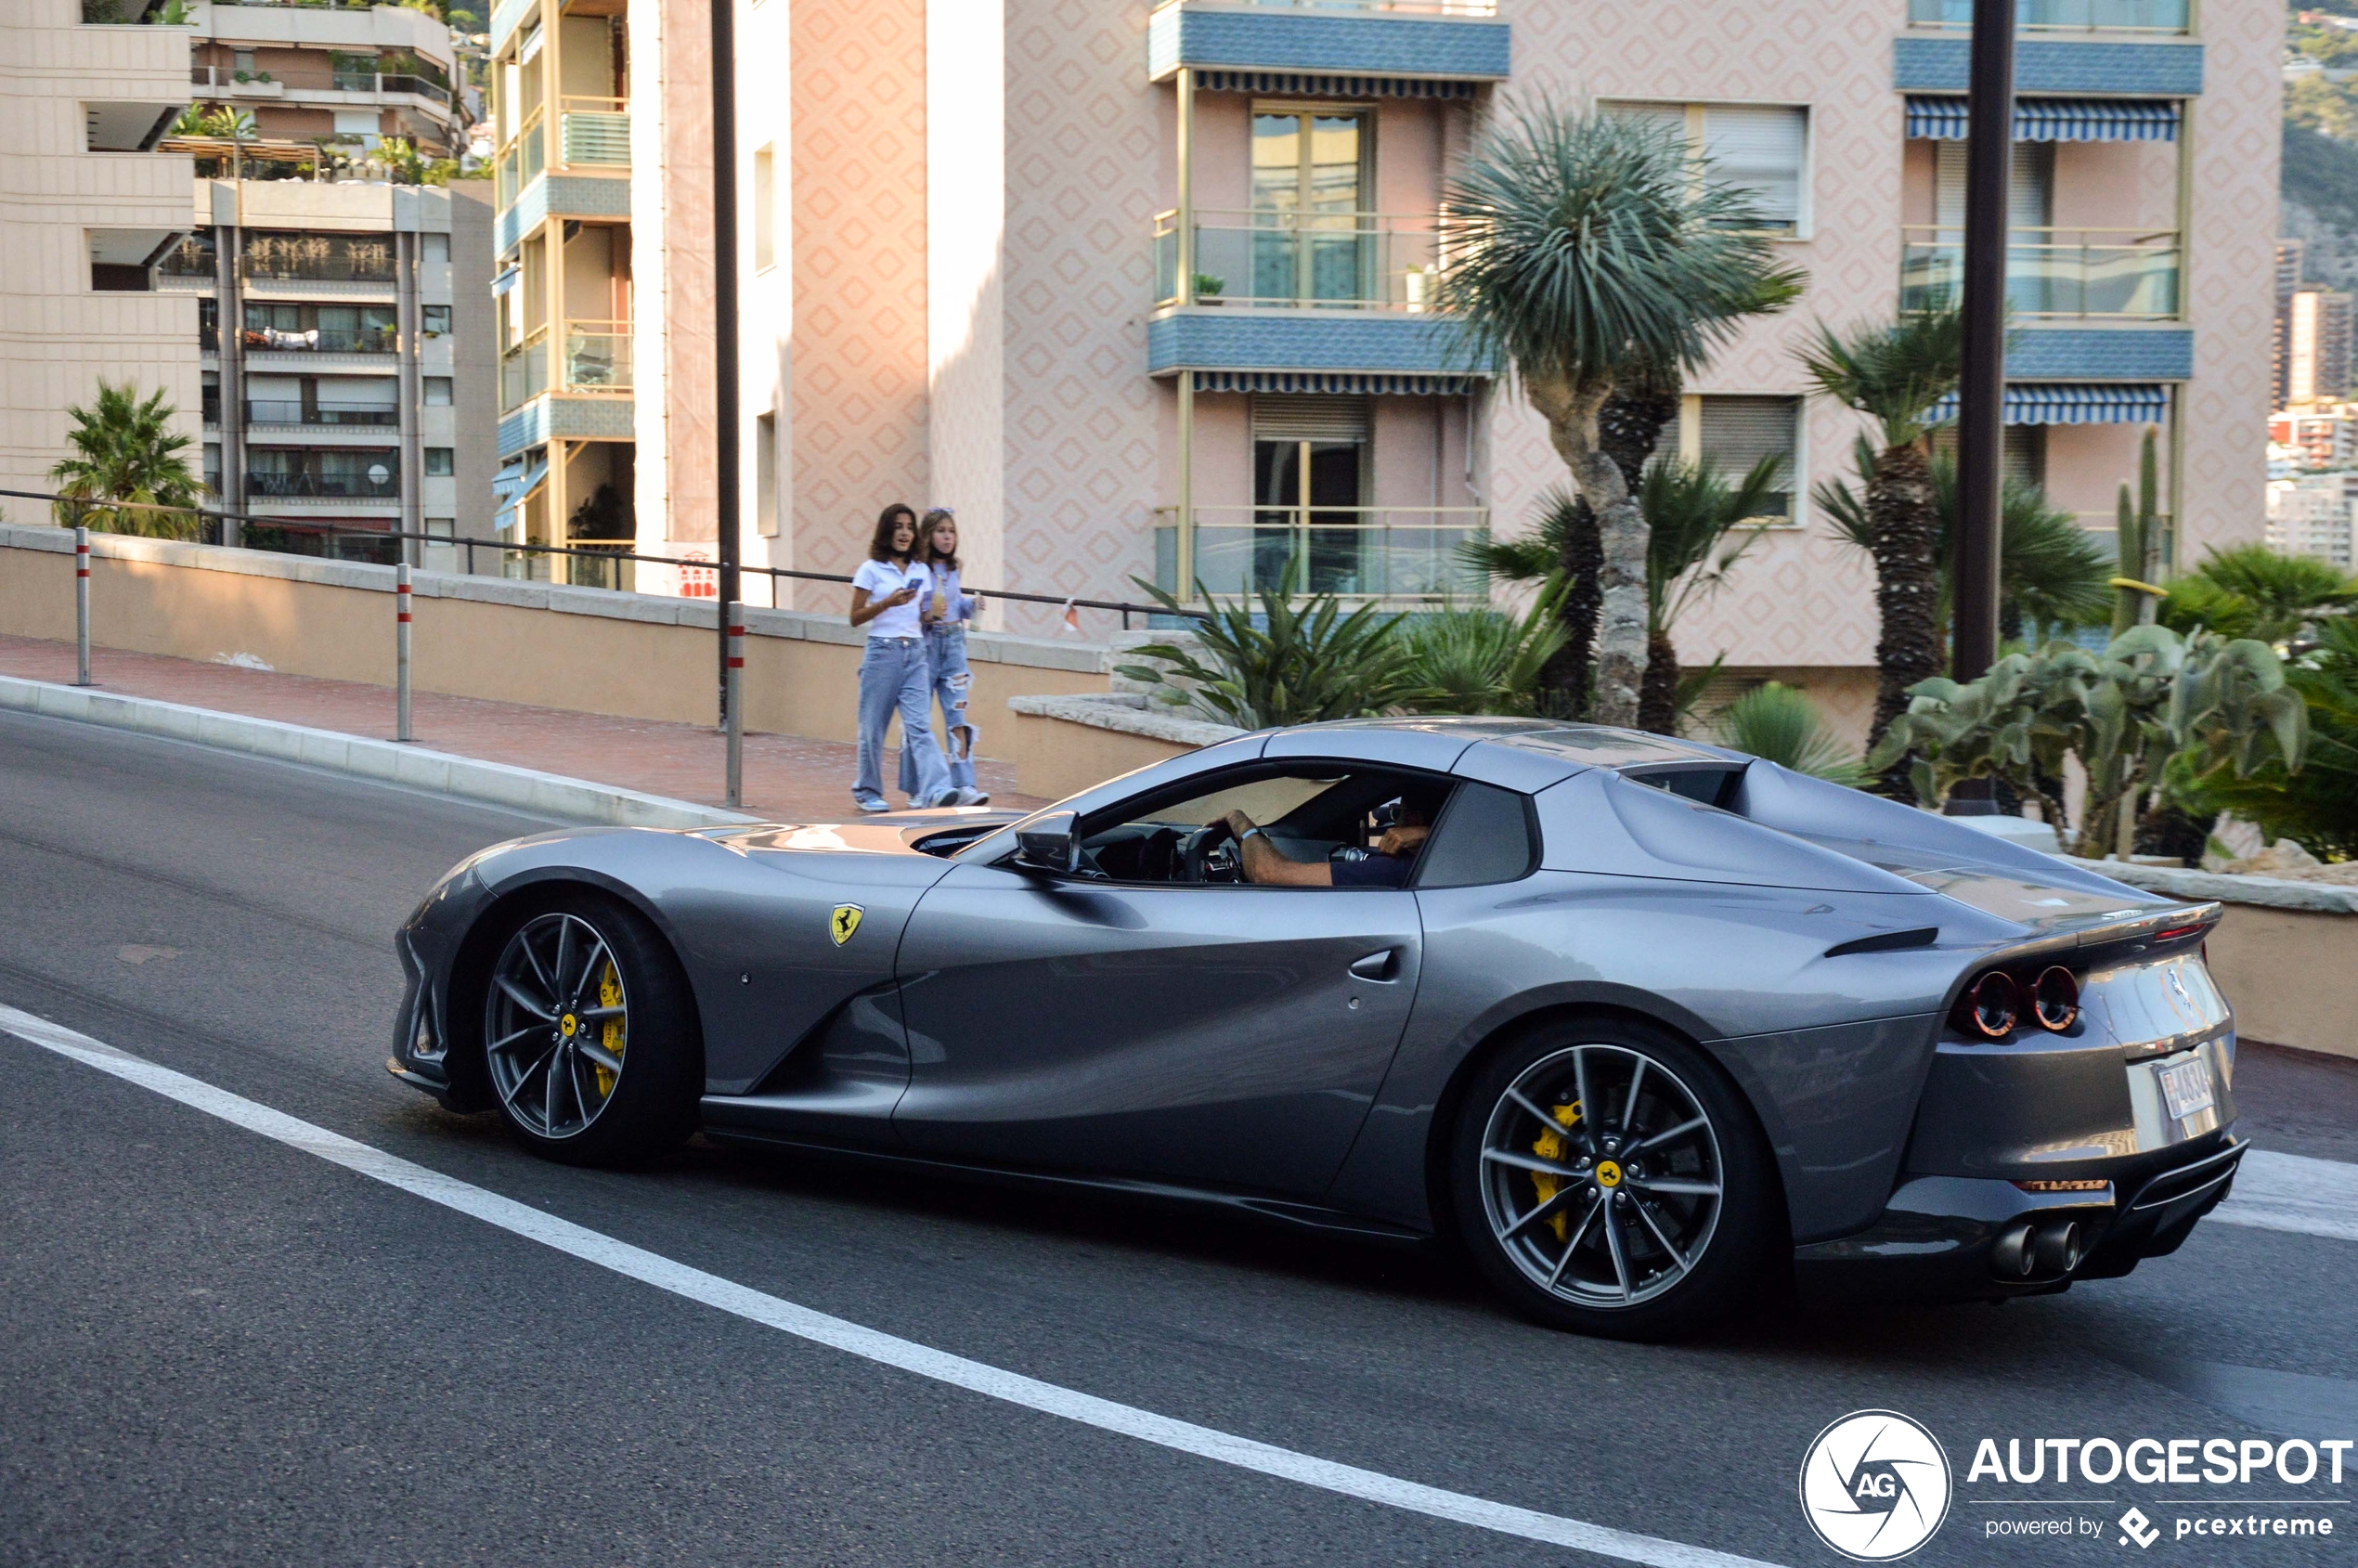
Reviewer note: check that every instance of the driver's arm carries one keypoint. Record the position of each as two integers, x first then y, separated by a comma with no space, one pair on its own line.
1265,865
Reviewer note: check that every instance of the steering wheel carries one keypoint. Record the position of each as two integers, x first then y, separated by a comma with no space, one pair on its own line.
1209,854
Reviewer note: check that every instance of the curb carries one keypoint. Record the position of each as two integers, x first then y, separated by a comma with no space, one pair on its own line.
467,778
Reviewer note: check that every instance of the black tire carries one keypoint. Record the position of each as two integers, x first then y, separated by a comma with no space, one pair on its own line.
596,1088
1623,1199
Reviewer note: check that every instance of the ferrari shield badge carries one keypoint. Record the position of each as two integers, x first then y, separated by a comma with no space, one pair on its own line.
845,921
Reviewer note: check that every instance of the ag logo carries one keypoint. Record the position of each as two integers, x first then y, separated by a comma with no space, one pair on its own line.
845,921
1875,1486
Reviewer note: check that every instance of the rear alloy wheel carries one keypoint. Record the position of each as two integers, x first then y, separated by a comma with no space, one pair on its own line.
1608,1181
586,1035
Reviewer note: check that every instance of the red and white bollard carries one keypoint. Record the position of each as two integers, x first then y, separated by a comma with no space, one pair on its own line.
81,606
401,653
733,697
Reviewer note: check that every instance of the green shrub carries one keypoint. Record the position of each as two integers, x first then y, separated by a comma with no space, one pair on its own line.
1274,662
1776,722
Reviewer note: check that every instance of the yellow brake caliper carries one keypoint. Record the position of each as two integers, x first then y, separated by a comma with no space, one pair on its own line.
1550,1145
610,1034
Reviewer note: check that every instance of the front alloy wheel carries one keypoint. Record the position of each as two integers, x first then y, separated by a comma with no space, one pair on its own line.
556,1025
590,1034
1609,1180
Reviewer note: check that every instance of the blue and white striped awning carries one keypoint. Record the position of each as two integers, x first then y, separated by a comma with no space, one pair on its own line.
1335,384
2075,403
506,280
512,485
1944,119
1293,84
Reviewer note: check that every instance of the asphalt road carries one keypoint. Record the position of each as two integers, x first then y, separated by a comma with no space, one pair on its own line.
216,1348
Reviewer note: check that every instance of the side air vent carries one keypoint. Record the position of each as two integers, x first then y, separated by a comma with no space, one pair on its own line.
1886,941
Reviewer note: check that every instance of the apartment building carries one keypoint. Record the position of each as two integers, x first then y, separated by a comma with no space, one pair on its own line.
1146,289
86,207
346,73
2318,346
348,361
2315,514
2317,437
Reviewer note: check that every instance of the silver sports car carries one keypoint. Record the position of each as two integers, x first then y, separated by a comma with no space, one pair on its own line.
1637,1023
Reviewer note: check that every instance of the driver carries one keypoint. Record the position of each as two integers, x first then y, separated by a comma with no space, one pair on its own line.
1265,865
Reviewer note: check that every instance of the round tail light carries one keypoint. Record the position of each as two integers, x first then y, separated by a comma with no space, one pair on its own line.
2055,999
1993,1005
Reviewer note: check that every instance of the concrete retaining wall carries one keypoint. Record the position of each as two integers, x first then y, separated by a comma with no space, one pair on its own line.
633,655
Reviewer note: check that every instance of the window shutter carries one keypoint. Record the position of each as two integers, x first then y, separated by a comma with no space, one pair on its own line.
2031,203
1739,431
1759,149
1310,417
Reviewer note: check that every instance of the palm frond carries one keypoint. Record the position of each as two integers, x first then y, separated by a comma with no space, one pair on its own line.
1584,245
1892,373
1689,510
1783,726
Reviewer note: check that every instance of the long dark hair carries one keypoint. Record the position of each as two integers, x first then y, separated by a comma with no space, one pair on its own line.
887,522
925,537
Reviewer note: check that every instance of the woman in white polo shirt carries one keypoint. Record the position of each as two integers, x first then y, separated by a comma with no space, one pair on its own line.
894,674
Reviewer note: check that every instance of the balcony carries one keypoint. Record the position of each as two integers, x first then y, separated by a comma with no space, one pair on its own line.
595,361
319,258
214,82
524,158
378,480
321,340
1293,261
2054,274
2064,16
291,412
1399,556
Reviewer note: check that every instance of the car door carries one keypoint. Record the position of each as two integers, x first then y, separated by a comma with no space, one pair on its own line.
1229,1035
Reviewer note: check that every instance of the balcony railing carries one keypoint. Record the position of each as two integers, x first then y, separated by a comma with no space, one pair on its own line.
595,360
1394,555
213,81
2065,15
317,258
2054,273
329,486
593,131
1311,260
291,412
322,339
1382,7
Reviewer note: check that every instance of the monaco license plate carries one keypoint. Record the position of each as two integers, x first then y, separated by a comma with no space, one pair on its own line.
2185,1088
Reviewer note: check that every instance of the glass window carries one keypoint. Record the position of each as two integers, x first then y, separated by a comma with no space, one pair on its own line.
1309,235
441,461
438,392
1760,148
437,320
1334,812
1483,837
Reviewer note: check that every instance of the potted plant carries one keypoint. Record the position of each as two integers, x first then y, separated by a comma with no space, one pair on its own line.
1209,288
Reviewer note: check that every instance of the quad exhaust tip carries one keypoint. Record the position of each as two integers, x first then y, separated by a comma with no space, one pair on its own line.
2025,1251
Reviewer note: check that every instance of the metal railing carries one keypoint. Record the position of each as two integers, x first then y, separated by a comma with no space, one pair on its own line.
1308,260
327,487
2065,15
291,412
317,258
593,131
523,370
1388,554
525,157
216,81
321,340
515,557
2124,274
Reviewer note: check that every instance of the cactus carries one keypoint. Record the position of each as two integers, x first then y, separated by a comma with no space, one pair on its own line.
2139,523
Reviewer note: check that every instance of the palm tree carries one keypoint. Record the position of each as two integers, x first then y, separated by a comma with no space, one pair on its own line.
1894,374
1590,257
2252,591
2051,576
126,451
1690,511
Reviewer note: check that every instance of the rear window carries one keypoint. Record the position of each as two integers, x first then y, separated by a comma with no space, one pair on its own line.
1484,835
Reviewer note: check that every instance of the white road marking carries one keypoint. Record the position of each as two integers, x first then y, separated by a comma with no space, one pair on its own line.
2294,1192
695,1284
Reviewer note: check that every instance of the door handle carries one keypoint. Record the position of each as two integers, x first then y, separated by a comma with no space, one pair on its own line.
1385,965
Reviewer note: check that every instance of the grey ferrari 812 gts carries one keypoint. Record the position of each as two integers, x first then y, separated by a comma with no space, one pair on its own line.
1638,1024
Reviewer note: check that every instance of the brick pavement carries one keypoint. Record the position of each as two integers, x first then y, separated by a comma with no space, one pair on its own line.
786,776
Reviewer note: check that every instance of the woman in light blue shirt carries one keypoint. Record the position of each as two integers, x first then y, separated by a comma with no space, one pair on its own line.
946,610
894,674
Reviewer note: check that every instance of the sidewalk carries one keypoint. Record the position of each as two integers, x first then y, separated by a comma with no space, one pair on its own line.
786,776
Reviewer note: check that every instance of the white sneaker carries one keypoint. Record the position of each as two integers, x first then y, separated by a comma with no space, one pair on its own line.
871,806
973,797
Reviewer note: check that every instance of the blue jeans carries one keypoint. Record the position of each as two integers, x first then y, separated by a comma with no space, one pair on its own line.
949,678
895,677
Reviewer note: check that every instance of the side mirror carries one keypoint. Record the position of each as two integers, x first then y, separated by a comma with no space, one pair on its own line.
1050,843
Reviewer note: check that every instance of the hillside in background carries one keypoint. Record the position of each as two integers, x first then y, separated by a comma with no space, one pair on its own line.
2319,187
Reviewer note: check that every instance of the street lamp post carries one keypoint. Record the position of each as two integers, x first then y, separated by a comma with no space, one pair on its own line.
725,356
1981,396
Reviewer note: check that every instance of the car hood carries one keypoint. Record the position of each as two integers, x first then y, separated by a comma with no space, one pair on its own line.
891,833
